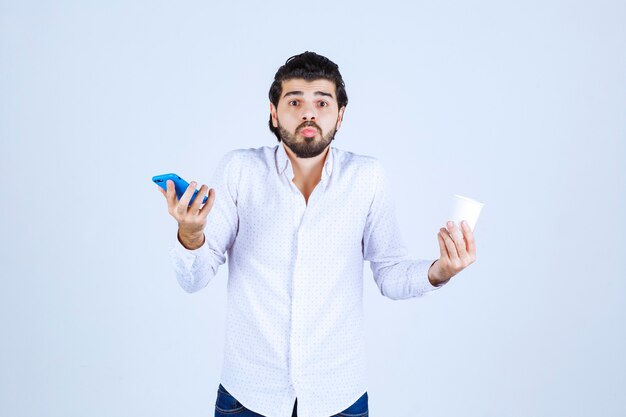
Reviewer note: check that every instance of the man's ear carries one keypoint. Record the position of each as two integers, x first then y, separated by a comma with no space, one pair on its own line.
274,115
340,116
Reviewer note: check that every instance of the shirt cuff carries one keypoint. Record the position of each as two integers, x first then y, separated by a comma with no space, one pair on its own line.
420,271
187,257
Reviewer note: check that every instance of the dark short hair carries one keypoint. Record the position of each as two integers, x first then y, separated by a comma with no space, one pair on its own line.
309,66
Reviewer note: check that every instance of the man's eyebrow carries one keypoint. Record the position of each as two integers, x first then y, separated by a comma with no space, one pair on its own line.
300,93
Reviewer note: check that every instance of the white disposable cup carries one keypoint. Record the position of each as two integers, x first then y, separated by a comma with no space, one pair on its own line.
464,208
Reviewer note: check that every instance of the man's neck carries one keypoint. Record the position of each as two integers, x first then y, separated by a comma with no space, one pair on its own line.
307,170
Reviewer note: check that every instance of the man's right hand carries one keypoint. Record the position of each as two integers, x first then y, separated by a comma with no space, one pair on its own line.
191,219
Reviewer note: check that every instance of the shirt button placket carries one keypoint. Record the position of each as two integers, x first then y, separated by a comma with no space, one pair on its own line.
296,311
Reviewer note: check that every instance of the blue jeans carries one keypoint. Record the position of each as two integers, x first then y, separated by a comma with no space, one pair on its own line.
227,405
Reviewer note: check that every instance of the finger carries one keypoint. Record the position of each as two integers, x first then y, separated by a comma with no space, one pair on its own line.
469,238
204,211
170,194
161,190
449,244
457,238
455,233
443,251
183,203
195,206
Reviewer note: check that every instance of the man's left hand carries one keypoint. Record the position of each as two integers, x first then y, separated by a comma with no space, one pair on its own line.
456,251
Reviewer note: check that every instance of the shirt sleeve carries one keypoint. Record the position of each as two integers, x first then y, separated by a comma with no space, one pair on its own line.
195,268
397,276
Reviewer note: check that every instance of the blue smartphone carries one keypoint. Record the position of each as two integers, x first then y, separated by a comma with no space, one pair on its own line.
179,184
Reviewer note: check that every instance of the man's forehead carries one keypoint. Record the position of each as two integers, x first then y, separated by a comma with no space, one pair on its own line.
300,84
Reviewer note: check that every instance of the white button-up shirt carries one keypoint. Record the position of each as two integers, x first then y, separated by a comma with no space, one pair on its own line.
295,285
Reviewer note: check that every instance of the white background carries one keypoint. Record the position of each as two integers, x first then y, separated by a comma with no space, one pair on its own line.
520,105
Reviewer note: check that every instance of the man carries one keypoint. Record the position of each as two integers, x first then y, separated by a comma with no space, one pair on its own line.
297,221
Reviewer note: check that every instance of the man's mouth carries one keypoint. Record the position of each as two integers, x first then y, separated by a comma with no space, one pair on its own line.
308,132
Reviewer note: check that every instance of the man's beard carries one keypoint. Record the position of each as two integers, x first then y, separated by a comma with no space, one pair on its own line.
307,147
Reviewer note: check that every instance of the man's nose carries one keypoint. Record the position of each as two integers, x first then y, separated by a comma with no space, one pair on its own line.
308,112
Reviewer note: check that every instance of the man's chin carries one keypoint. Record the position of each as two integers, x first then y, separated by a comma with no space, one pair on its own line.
306,152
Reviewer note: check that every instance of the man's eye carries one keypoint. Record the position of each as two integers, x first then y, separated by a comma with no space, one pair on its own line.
323,104
293,101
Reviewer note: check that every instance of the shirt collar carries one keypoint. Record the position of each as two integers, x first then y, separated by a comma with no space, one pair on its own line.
283,162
